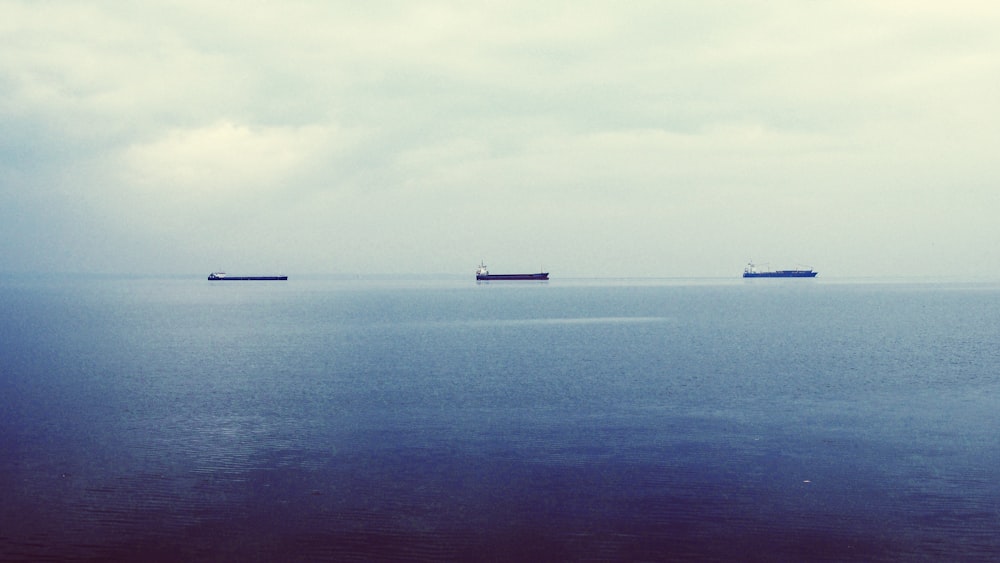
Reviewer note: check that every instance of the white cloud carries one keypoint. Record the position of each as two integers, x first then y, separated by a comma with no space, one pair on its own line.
392,126
225,159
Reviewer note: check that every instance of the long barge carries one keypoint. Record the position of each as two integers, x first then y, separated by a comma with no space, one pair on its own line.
221,276
483,274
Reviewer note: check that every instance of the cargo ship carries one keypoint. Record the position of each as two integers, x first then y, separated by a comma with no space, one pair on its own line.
751,271
221,276
483,274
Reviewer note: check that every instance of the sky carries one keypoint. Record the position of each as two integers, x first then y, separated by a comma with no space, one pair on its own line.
607,139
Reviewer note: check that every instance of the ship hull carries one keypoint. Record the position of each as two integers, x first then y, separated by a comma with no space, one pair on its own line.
781,274
248,278
543,276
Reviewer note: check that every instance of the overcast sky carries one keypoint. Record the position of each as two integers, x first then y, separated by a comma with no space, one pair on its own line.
586,138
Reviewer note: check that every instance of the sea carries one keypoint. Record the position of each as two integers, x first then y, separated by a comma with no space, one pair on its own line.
441,419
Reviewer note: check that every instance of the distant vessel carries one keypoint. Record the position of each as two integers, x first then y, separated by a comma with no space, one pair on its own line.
482,274
221,276
751,271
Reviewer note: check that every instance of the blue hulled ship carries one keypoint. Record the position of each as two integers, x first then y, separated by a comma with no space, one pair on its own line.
221,276
751,271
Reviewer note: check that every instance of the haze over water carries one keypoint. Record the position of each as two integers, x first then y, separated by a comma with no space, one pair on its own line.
440,419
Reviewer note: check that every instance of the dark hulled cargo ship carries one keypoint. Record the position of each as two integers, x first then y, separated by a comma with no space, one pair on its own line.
221,276
483,274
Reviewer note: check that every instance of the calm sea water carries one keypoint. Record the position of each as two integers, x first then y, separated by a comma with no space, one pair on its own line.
435,420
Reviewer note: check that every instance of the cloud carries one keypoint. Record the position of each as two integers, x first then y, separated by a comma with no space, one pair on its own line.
591,130
224,160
